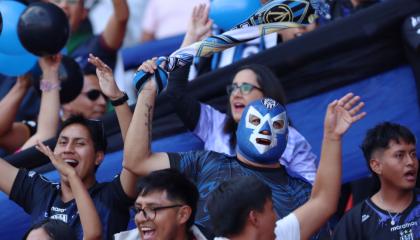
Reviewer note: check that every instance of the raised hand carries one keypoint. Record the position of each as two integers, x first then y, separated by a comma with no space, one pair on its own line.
150,66
199,26
61,166
341,114
50,65
200,23
106,78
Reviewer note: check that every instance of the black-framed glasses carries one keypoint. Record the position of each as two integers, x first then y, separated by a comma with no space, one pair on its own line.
244,88
94,94
150,213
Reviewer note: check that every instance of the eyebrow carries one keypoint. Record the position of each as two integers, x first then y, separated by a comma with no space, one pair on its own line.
76,138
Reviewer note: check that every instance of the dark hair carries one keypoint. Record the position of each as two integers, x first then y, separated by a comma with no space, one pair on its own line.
380,136
230,203
56,229
177,186
271,88
95,128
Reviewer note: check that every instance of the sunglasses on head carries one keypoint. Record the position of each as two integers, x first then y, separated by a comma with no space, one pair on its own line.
244,88
94,94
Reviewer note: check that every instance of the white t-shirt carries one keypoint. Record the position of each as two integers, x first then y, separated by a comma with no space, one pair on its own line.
297,157
287,228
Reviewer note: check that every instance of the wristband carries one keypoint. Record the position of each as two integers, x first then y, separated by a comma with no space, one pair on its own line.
47,86
120,100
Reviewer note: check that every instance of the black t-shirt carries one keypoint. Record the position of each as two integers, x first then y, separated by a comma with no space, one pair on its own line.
368,222
41,199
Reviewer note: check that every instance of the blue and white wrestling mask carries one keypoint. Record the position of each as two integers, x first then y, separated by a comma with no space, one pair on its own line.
262,131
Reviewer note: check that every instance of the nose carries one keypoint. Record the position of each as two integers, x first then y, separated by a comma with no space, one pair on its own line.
265,132
140,218
69,148
101,100
411,159
265,129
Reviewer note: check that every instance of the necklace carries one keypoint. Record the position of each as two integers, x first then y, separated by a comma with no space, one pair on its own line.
390,215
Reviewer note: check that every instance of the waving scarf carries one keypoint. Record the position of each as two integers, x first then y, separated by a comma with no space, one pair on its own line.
272,17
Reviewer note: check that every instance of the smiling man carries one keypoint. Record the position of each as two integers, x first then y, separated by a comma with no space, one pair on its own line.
165,208
81,143
394,211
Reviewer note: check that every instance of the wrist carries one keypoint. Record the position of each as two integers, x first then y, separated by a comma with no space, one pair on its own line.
47,85
332,137
119,100
116,96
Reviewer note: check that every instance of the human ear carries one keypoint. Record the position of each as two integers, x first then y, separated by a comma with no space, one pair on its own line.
184,213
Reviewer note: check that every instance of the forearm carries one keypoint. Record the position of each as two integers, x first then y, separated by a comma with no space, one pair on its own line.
328,178
115,30
89,218
121,11
9,106
186,107
48,117
137,145
124,116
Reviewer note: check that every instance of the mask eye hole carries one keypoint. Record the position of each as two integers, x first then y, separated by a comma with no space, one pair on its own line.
279,124
254,120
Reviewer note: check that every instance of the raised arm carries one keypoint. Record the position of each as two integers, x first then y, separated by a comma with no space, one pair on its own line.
116,27
89,218
111,90
48,116
340,115
138,157
14,134
124,115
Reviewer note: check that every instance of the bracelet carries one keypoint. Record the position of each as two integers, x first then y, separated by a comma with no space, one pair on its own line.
120,100
47,86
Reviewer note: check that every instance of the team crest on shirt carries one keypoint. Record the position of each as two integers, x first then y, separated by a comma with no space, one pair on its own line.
365,217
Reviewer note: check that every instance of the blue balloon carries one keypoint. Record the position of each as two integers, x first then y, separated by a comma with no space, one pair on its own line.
228,13
9,41
16,65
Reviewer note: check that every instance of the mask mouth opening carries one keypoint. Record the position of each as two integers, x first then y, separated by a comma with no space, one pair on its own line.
263,141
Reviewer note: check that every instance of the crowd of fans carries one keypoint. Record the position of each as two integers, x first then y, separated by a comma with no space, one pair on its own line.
256,177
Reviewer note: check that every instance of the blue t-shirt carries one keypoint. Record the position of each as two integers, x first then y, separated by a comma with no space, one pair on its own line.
41,199
368,221
207,169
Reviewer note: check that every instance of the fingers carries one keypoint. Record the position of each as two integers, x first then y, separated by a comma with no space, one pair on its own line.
345,99
357,108
359,116
332,105
149,65
45,150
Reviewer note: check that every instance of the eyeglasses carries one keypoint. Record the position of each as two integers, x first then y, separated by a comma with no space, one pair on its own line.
244,88
150,213
94,94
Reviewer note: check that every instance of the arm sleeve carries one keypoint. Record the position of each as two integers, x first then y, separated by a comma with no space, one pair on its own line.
188,163
115,195
287,228
298,156
186,107
28,189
